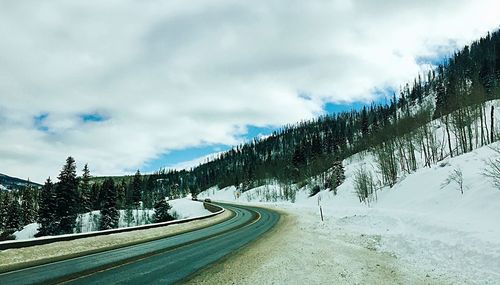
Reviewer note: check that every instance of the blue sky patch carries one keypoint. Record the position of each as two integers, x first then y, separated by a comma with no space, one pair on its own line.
39,122
93,117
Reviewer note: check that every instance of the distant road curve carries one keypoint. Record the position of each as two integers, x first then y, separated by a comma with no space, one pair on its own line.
164,261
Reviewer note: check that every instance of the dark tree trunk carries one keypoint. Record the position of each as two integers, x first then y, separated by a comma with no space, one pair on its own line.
492,136
449,138
482,130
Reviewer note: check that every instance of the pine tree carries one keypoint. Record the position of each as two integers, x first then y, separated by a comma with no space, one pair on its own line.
299,160
67,197
316,149
95,196
364,122
129,216
161,211
4,209
147,197
85,191
299,156
109,213
28,212
13,222
84,205
137,194
136,189
337,176
46,210
120,198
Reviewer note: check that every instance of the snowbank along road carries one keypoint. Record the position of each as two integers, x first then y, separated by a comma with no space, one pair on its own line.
163,261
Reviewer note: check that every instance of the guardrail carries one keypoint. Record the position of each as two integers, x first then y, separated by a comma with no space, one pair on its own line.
215,209
212,207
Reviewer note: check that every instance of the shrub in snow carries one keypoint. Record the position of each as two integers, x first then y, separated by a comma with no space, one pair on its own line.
457,177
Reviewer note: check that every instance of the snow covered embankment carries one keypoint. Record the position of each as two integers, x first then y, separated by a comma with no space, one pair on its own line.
182,208
423,231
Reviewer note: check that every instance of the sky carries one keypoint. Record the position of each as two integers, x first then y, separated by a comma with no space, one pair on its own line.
125,85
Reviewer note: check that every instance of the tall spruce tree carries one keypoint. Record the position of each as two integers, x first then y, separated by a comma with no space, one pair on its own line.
136,189
67,198
95,196
13,221
129,215
4,209
28,211
121,199
85,191
109,213
46,210
136,194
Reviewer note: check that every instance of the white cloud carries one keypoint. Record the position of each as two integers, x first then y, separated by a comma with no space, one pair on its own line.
170,74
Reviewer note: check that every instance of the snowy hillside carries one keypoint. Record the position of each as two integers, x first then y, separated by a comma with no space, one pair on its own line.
421,221
181,209
14,182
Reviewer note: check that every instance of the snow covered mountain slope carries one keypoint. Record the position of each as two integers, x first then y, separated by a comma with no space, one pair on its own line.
14,182
428,226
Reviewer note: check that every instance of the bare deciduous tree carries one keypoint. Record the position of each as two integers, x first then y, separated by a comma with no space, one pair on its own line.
492,170
364,186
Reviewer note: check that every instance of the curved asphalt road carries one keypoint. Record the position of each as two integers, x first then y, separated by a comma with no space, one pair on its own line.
164,261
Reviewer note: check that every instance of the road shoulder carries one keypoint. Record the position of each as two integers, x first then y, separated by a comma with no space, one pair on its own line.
298,251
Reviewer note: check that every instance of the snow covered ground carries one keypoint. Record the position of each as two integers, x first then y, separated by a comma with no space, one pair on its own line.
433,232
181,208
